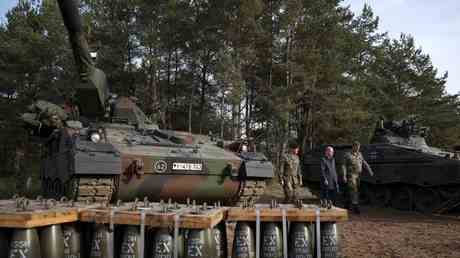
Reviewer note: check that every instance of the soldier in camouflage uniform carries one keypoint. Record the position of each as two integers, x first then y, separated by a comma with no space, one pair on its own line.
44,117
291,178
352,168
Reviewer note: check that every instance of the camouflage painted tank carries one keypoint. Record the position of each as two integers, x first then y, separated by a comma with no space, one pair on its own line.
409,174
107,147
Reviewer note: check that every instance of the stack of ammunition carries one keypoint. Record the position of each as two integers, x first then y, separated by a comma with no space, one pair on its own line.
56,229
161,230
282,231
40,228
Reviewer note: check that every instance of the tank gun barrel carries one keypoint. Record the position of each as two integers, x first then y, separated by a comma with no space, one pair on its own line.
73,23
92,91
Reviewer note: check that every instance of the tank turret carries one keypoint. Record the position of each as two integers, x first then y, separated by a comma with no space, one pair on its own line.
92,90
125,155
405,133
408,173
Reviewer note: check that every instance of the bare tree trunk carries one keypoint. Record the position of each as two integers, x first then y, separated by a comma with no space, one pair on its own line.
168,74
234,126
190,117
203,96
247,111
190,103
176,71
222,116
311,105
238,132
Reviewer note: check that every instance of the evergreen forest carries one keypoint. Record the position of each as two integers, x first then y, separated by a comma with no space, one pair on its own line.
266,69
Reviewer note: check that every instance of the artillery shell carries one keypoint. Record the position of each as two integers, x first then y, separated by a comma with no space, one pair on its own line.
24,244
244,243
329,240
301,243
102,242
271,240
163,244
199,244
72,241
130,246
219,241
52,242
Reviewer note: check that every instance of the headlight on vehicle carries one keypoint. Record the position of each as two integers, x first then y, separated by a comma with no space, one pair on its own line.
95,137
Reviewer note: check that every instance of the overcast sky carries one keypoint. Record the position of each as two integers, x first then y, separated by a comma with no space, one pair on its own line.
5,5
435,26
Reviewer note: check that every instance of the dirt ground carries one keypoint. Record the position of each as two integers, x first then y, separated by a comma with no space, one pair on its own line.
380,232
385,232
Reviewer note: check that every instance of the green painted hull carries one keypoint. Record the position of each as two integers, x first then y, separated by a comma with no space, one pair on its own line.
180,187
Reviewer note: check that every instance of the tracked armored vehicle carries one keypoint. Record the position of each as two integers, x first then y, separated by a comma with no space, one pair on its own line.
409,174
106,148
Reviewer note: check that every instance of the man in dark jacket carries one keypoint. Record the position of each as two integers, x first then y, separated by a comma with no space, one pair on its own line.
329,183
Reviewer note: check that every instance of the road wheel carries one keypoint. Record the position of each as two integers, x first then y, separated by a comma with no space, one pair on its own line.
427,199
402,198
380,195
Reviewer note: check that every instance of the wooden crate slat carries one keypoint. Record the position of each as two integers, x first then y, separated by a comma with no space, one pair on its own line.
38,219
208,219
292,214
38,215
187,219
130,214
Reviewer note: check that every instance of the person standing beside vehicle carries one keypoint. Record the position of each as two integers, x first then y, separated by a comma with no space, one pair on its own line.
352,169
291,177
329,183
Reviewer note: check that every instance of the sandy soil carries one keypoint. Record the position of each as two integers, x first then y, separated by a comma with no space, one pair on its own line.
379,232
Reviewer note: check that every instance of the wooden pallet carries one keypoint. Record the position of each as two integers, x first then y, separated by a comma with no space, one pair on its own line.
305,214
38,213
156,216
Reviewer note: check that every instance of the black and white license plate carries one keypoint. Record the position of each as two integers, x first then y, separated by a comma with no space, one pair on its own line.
187,166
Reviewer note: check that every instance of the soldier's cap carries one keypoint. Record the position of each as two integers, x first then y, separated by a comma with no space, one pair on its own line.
74,124
356,143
